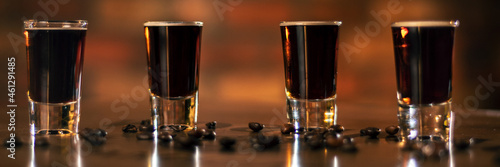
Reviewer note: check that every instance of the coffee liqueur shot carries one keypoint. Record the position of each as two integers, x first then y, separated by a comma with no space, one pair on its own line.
54,51
310,59
173,50
423,52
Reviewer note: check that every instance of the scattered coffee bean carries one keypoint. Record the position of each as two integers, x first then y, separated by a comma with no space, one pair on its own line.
165,137
333,141
337,128
209,134
147,128
321,131
145,136
94,136
392,130
211,125
16,141
196,133
287,129
129,128
255,126
332,133
146,122
373,132
227,142
362,132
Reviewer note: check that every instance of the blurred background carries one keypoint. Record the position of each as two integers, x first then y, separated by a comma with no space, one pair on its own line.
241,55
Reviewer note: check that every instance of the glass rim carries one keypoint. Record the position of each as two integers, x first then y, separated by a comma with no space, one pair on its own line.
450,23
173,23
56,24
304,23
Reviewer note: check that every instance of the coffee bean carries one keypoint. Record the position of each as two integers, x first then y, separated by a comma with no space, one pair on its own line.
309,135
373,132
94,136
196,133
211,125
287,129
146,122
227,142
165,137
129,128
392,130
463,143
333,142
209,134
337,128
255,126
178,128
95,140
362,132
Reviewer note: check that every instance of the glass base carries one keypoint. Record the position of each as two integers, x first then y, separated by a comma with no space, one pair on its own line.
54,118
425,122
311,114
175,113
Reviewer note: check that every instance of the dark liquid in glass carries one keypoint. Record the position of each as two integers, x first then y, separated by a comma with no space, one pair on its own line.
423,64
55,64
310,57
173,59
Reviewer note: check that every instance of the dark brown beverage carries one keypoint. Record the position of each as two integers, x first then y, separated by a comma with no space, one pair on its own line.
173,59
55,63
310,57
423,57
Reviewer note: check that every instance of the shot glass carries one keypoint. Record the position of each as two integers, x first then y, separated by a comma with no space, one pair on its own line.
310,59
423,53
54,50
173,50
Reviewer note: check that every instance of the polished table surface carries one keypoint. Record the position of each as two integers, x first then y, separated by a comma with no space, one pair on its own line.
125,150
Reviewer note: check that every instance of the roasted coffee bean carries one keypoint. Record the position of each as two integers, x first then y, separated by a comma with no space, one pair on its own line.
211,125
287,129
16,141
145,136
373,132
362,132
196,133
209,134
255,126
227,142
146,122
332,133
333,142
337,128
100,132
321,131
147,128
392,130
95,140
129,128
165,137
315,142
